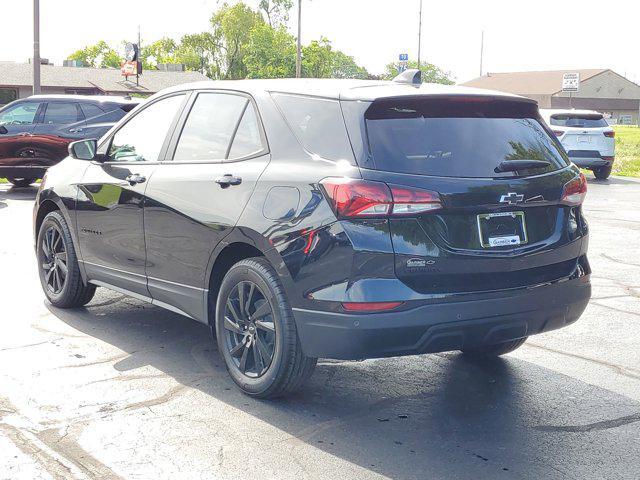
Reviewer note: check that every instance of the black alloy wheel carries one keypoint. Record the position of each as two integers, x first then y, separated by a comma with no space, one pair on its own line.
256,331
54,260
249,329
58,264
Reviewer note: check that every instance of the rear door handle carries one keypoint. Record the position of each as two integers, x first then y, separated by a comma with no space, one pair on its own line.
75,130
228,180
135,178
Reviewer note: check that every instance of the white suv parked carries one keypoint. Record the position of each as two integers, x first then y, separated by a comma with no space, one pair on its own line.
586,136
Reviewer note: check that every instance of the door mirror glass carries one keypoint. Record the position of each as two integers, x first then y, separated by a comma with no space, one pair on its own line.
83,149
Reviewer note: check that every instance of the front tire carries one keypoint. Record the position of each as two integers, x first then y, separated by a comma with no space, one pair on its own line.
602,173
495,350
256,332
21,182
58,265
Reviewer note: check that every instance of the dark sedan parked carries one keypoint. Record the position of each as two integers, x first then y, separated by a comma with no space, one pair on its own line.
325,218
35,132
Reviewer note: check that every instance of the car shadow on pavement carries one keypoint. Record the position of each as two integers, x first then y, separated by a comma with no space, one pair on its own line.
429,416
8,192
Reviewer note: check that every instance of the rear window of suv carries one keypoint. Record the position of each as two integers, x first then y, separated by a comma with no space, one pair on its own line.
459,137
578,121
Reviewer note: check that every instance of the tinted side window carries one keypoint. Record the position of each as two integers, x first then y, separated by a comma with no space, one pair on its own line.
21,114
247,140
209,127
61,113
90,111
142,137
318,125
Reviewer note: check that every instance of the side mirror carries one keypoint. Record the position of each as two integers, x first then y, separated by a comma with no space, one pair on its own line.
3,130
83,149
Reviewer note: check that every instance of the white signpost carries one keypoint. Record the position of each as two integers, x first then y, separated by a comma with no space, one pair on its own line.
571,84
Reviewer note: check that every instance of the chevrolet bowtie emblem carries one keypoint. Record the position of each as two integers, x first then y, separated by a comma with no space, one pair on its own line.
511,198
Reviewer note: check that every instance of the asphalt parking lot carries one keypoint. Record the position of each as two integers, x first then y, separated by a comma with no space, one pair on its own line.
122,389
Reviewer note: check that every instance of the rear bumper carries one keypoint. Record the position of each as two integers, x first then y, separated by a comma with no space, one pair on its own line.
590,159
23,171
444,326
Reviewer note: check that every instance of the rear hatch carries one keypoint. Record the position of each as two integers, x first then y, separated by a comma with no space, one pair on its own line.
496,176
583,132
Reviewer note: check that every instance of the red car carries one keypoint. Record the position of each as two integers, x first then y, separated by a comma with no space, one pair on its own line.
36,131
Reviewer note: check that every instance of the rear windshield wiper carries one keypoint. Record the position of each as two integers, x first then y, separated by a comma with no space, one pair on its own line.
514,165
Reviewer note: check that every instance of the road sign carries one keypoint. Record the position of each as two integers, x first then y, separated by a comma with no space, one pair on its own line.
404,60
403,57
571,82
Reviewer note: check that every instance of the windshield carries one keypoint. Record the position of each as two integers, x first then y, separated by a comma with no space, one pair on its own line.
458,139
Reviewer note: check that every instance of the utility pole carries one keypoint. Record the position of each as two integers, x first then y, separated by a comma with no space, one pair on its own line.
36,47
299,47
481,51
419,33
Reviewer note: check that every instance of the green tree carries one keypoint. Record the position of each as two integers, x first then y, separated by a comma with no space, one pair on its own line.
320,60
271,53
232,26
430,73
276,11
344,66
200,51
160,51
100,55
317,59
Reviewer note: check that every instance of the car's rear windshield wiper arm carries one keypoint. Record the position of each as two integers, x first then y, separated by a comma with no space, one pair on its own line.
514,165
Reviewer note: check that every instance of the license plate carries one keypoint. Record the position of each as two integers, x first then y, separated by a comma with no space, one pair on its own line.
504,229
584,138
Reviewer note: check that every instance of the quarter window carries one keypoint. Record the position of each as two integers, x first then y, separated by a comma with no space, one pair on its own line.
211,123
318,124
61,113
90,111
142,137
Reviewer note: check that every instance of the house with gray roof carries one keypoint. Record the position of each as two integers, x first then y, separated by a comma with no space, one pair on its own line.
600,89
16,81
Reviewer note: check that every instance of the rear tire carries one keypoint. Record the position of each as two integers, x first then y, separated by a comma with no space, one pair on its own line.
256,332
58,265
495,350
602,173
21,182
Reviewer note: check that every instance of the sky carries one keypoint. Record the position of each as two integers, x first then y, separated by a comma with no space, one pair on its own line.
519,35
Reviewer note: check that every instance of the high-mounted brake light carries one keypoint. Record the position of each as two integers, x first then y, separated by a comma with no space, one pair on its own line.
574,191
353,198
611,134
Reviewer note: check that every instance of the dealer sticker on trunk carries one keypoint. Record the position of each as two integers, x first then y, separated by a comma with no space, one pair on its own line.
504,241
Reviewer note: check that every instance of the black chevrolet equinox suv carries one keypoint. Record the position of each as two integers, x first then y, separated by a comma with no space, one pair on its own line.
324,218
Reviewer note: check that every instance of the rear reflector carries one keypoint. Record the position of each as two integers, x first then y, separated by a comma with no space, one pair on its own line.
610,134
354,198
574,191
370,306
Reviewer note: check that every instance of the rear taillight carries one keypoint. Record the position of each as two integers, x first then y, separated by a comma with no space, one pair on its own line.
353,198
574,191
608,159
558,133
611,134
